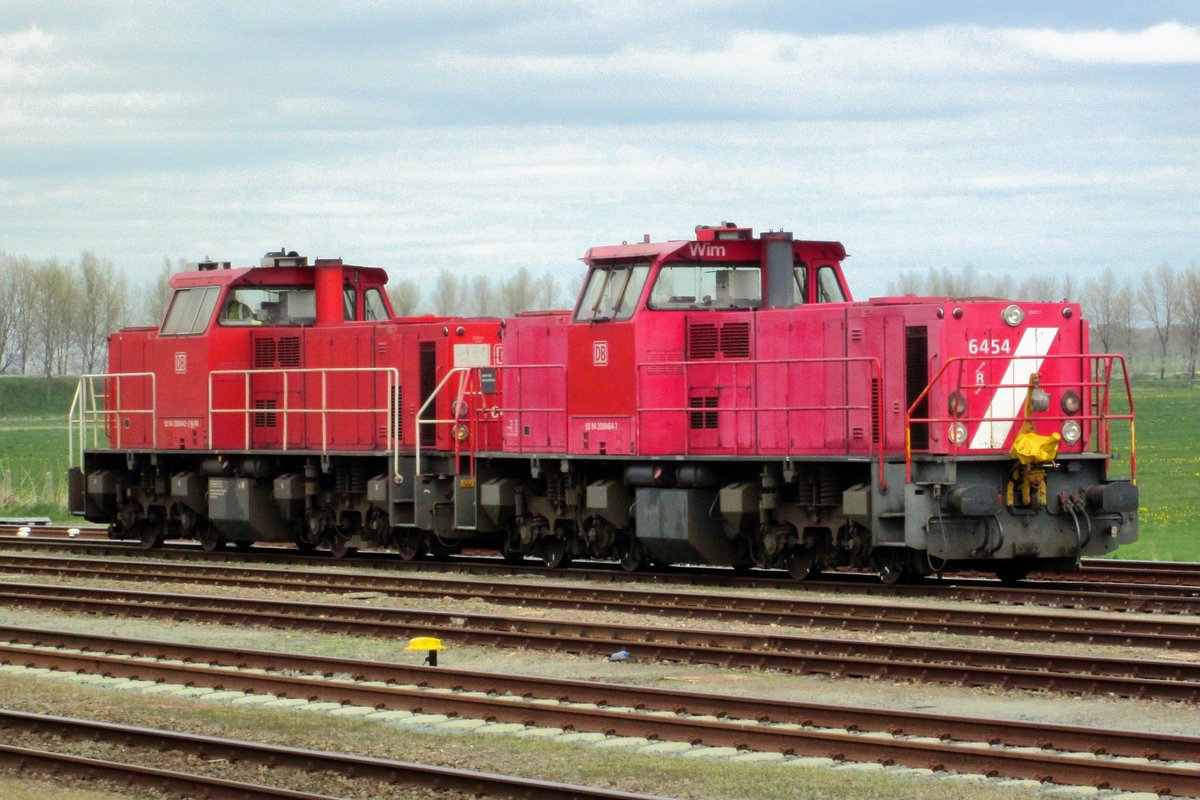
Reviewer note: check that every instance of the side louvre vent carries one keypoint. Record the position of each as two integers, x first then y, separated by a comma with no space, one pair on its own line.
706,340
876,409
262,420
264,354
735,340
916,365
271,353
656,359
289,351
702,342
702,420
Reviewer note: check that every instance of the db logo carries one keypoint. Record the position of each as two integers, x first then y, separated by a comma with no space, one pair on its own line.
600,354
180,363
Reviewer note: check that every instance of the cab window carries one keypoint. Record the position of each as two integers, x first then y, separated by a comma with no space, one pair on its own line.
612,292
801,284
717,285
828,288
374,307
190,310
349,299
262,305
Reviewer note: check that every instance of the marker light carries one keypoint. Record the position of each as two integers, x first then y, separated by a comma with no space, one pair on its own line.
958,404
1071,431
1012,316
1071,402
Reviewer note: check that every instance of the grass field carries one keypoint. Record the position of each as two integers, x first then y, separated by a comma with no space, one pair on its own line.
33,445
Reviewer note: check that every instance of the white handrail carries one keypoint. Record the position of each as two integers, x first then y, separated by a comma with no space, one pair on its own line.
86,415
393,382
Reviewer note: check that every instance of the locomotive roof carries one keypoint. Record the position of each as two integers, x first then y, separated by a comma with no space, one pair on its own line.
656,250
266,276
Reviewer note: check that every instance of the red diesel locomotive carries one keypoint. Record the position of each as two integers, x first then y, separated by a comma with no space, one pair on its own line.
718,400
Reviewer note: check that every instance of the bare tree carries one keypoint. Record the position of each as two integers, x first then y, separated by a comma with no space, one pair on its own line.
517,293
22,288
1099,305
480,298
158,293
52,311
447,294
106,294
1189,314
10,310
909,282
405,296
548,293
1039,289
1157,298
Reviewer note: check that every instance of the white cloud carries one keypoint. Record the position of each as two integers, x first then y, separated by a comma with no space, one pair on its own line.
1167,43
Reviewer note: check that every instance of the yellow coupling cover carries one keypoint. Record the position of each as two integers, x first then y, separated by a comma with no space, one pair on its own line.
1033,448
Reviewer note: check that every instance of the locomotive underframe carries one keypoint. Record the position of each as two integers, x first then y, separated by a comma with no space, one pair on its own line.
800,515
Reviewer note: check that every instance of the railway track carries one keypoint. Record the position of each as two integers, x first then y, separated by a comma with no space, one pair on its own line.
466,782
1016,669
1083,595
1024,625
1130,760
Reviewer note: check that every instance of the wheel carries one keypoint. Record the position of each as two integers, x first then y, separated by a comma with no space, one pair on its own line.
511,555
554,553
1011,572
149,535
211,541
341,548
801,563
893,569
410,546
244,547
630,556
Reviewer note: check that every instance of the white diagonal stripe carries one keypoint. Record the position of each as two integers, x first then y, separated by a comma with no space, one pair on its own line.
1007,402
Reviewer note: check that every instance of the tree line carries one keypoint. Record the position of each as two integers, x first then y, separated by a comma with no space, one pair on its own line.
1152,319
55,315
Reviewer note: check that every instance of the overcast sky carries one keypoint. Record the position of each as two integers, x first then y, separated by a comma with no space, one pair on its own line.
1019,137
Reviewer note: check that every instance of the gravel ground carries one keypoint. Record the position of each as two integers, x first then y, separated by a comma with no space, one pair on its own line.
1091,710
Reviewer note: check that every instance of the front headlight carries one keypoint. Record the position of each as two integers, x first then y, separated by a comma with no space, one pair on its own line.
1012,316
958,434
1071,431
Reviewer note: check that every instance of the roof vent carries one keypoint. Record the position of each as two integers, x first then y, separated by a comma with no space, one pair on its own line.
205,266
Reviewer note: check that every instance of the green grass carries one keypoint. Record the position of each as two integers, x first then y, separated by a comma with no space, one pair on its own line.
33,443
1168,472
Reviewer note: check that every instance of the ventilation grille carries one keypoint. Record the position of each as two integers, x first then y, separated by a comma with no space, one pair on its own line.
271,353
264,353
709,340
876,409
735,340
916,360
289,351
264,420
702,420
656,359
702,342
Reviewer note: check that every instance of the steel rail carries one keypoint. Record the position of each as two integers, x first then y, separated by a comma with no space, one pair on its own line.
112,655
792,739
792,611
1128,677
381,769
1086,595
